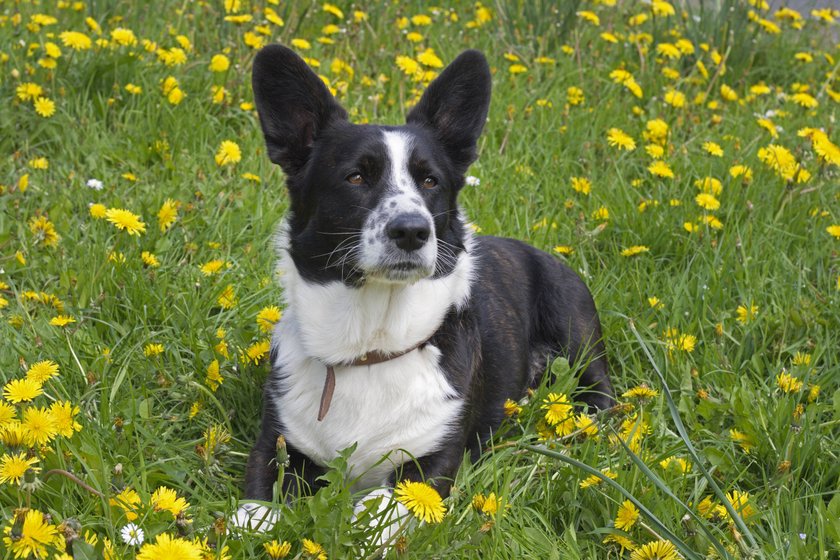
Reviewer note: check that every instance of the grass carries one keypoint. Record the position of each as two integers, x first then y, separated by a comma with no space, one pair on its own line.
152,419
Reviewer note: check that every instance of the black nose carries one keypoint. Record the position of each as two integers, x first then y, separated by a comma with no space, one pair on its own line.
409,231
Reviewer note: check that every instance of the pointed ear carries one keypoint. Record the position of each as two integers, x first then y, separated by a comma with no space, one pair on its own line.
294,106
455,106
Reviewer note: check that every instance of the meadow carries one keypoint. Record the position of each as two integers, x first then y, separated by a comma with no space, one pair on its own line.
682,158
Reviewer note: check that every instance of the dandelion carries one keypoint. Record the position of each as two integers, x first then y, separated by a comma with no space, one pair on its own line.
642,391
634,250
276,550
674,98
227,299
167,547
559,413
422,500
28,91
564,250
623,542
219,63
626,516
804,100
661,169
728,93
128,500
707,202
62,320
166,499
124,37
575,96
39,426
257,351
64,415
132,535
713,149
228,153
593,480
126,221
511,408
742,171
21,390
36,536
149,259
618,138
13,467
655,550
75,40
213,378
746,314
212,267
788,383
97,210
167,215
581,185
153,349
742,439
267,317
45,107
678,463
740,502
44,231
834,230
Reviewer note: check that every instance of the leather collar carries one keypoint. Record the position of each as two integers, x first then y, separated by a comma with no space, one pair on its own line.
369,359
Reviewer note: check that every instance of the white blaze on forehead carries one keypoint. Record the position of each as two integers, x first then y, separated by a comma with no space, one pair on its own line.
399,145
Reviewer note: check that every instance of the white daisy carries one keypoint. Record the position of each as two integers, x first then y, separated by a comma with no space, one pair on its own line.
132,535
473,181
95,184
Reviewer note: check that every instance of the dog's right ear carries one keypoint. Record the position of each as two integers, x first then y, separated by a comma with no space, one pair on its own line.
294,106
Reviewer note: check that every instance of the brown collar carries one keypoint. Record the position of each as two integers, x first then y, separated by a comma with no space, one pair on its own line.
369,359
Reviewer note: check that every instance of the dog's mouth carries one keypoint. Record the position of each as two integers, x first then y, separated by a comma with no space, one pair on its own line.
402,271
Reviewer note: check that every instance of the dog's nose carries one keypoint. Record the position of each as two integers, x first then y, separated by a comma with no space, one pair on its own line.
409,231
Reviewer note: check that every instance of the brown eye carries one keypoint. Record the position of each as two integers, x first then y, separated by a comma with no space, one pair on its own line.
429,183
355,179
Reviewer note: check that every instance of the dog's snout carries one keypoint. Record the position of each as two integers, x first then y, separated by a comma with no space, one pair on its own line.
409,231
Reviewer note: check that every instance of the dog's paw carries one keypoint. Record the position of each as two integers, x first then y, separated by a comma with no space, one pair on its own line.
254,517
383,519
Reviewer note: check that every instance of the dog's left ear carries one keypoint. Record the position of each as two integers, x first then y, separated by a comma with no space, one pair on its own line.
455,106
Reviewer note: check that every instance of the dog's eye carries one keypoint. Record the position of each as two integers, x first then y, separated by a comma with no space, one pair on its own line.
355,179
430,182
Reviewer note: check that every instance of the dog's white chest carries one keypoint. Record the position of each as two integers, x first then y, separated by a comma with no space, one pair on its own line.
404,407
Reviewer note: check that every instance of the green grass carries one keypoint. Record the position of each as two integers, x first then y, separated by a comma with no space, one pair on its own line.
145,418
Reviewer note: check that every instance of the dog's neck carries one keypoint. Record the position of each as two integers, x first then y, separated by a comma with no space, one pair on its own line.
338,324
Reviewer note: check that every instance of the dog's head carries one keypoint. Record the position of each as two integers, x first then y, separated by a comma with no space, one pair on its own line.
371,203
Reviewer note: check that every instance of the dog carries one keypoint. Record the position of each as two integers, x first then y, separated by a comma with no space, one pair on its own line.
403,333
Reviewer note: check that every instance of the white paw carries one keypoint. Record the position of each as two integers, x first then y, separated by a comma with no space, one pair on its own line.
384,519
254,517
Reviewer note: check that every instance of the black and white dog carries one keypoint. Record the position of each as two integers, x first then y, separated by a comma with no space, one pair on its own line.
402,332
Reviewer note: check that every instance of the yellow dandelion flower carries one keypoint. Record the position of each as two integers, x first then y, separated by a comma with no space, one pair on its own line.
257,351
564,250
124,37
167,547
28,91
129,501
276,550
149,259
64,414
313,550
581,185
742,439
575,96
586,425
788,383
153,349
627,516
219,63
13,467
212,267
746,314
707,202
511,408
36,537
834,230
623,542
728,93
39,425
213,378
559,411
804,100
98,211
62,320
742,171
656,550
642,391
267,317
619,139
125,220
676,462
634,250
594,480
45,107
674,98
228,153
661,169
422,500
42,371
75,40
166,499
591,17
21,390
740,502
713,148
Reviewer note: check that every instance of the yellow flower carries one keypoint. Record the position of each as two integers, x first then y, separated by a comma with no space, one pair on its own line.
167,547
128,500
301,44
13,467
125,221
559,413
219,63
36,537
334,10
228,153
517,69
728,93
834,230
313,550
21,390
740,502
602,213
430,59
593,480
618,138
586,425
661,169
28,91
167,214
741,171
62,320
804,100
564,249
675,98
581,185
39,426
227,299
713,149
39,372
276,550
212,267
124,37
575,96
707,201
634,250
75,40
213,378
511,408
681,464
788,383
45,107
742,439
166,499
98,210
44,231
257,351
149,259
641,392
626,516
267,317
64,414
655,550
783,163
153,349
422,500
746,314
591,17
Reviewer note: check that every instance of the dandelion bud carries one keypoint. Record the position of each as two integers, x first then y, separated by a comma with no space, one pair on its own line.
282,453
